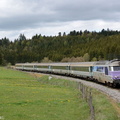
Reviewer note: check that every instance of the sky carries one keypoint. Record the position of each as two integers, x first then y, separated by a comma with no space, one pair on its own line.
49,17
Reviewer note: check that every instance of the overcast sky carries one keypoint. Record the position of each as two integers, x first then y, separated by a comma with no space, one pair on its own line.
48,17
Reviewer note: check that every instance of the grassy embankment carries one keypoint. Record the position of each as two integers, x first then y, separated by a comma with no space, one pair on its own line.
26,97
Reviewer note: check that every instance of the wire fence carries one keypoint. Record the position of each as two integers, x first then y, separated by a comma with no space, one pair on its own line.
87,95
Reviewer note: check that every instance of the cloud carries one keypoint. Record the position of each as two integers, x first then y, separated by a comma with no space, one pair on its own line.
52,16
89,10
52,29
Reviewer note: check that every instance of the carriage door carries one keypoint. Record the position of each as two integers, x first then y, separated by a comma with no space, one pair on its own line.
106,71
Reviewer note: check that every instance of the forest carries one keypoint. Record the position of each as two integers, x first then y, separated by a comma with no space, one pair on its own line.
76,46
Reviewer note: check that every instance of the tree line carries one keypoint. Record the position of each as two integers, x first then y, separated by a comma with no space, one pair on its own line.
76,46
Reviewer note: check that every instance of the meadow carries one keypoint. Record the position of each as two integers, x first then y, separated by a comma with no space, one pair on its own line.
24,97
27,96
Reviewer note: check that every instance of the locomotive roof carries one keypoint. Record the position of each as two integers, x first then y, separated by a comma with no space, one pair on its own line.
115,63
108,63
101,63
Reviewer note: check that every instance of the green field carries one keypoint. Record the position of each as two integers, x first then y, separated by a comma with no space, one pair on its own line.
25,96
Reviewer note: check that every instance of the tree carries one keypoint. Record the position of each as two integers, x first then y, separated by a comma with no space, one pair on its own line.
80,32
22,37
59,34
64,34
5,41
86,57
94,59
46,60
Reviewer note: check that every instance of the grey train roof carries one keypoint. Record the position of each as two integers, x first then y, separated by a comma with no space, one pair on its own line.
97,63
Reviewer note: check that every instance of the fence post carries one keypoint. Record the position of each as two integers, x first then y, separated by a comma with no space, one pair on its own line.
83,91
92,111
79,86
86,93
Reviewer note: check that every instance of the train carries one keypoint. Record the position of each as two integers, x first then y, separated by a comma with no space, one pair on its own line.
105,72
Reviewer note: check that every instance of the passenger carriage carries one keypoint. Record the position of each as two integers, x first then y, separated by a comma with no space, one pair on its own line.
81,69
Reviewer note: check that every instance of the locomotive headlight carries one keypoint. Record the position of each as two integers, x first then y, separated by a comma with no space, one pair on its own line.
116,77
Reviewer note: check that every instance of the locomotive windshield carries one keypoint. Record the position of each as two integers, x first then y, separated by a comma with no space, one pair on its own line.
116,68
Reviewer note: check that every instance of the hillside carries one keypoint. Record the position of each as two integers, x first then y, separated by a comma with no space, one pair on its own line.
75,46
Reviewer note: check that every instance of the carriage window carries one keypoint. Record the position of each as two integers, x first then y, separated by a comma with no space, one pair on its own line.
28,66
60,67
100,69
116,68
76,68
42,66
